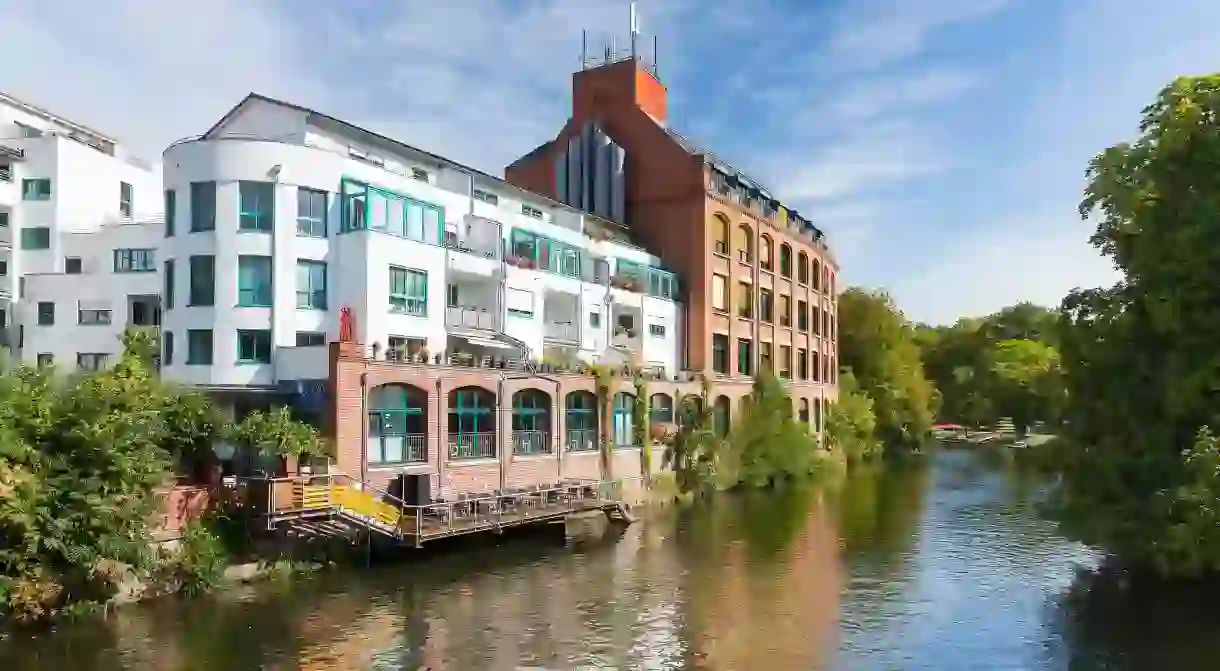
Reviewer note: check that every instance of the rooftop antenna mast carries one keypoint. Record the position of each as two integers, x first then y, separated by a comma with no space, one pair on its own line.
635,29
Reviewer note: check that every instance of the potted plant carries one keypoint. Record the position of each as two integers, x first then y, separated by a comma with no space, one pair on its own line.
423,354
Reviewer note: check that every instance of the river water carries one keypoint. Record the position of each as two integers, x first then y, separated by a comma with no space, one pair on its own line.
937,563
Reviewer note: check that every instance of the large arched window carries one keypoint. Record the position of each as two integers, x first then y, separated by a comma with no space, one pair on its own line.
765,253
720,416
472,423
785,260
745,244
623,426
531,422
802,268
720,234
661,408
580,418
398,425
817,275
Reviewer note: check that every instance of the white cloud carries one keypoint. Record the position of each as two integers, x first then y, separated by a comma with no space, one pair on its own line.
876,33
873,98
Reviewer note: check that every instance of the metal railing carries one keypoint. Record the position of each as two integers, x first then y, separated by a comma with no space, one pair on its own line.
472,445
582,440
471,318
532,442
565,331
414,447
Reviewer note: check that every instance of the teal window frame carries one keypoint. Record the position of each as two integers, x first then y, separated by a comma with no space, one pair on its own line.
200,347
201,290
171,212
311,284
530,410
622,420
580,409
548,255
167,293
167,348
654,281
312,218
37,188
661,412
36,237
46,313
408,291
720,353
721,415
256,207
310,339
255,281
203,206
745,356
135,260
395,412
253,346
367,207
472,411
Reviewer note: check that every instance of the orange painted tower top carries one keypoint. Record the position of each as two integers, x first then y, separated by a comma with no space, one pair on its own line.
618,78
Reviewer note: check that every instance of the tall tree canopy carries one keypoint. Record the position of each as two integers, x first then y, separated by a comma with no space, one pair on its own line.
1140,358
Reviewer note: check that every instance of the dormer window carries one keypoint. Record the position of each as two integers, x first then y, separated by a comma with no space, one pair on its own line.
420,174
531,211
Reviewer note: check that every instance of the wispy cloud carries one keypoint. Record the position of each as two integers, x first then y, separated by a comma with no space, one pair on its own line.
876,33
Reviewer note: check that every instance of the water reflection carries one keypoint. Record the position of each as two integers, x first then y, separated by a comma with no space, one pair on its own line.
936,563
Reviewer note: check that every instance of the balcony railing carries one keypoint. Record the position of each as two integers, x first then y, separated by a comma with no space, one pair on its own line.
471,318
582,440
404,448
6,173
565,331
532,442
473,445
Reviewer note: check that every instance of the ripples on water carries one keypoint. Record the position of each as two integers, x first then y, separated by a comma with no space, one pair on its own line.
941,564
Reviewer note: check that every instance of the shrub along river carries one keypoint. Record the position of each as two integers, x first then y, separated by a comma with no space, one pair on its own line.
935,563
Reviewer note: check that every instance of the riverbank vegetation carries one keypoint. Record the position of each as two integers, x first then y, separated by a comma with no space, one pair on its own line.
81,458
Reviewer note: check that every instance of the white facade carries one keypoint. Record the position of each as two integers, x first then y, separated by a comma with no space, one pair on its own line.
70,197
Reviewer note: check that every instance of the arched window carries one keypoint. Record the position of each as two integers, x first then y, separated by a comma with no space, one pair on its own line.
720,234
745,244
802,268
580,418
765,253
531,422
661,408
623,426
817,275
398,425
720,416
785,260
472,423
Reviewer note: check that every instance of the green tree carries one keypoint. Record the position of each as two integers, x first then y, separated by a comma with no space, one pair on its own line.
769,445
1139,358
276,433
880,347
694,451
1026,383
850,423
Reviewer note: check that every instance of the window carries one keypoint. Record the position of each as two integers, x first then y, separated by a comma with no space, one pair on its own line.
816,366
45,359
253,346
311,213
3,268
764,356
785,361
72,265
91,362
785,260
744,356
168,293
486,197
6,172
171,212
408,291
310,339
802,364
420,174
202,290
531,211
720,233
662,284
519,303
816,316
595,320
622,427
199,347
745,300
720,353
657,330
765,305
203,206
745,244
36,237
167,348
817,274
367,207
720,299
398,424
135,261
764,253
785,310
802,268
46,313
256,206
35,189
311,285
3,219
802,316
254,281
125,198
93,317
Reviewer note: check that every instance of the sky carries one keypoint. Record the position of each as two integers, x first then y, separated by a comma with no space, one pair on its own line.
941,144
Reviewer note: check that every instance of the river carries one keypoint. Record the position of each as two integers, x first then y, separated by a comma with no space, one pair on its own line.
937,563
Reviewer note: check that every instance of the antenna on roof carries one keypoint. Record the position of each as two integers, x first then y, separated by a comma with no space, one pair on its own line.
584,48
654,57
635,29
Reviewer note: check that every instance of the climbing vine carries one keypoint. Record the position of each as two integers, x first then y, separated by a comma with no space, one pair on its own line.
604,381
640,419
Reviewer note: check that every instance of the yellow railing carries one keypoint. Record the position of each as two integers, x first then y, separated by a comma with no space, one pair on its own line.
362,503
307,497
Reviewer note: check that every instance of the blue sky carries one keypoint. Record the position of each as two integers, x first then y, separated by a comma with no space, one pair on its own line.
940,143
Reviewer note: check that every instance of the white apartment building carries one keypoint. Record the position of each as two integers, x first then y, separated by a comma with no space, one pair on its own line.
278,217
77,217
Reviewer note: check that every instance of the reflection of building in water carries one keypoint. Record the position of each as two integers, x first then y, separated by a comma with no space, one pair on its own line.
747,613
348,632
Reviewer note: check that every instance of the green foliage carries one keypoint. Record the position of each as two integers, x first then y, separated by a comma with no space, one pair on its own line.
1139,358
277,433
770,446
880,347
199,561
693,452
640,419
850,423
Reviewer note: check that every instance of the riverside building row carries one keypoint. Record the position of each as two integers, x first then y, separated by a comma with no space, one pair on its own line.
473,300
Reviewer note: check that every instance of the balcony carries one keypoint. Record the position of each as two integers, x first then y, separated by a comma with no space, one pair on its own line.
472,445
532,442
582,440
477,318
561,332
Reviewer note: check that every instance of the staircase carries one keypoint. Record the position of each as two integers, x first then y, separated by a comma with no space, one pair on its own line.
338,510
1005,426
